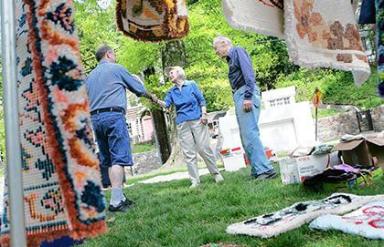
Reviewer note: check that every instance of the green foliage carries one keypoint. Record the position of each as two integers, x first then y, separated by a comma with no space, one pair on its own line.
337,86
343,91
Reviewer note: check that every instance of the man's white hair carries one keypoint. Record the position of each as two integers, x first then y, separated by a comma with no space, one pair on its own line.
180,71
222,39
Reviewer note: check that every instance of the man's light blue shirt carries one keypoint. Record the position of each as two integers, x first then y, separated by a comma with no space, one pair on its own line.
187,100
107,84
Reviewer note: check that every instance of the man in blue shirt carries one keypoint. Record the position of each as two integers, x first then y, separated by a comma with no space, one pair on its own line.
246,96
106,87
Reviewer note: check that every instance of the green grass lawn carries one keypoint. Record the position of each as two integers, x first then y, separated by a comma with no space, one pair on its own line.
170,214
142,148
326,113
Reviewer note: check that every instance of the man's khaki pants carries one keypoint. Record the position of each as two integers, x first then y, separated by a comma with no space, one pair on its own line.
194,138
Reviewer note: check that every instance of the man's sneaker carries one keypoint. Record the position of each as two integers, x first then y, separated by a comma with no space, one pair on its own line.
121,207
218,178
268,175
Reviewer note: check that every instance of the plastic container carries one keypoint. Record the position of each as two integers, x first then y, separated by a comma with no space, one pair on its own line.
234,159
289,172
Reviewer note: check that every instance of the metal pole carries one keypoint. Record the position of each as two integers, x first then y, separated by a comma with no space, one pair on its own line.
14,161
316,125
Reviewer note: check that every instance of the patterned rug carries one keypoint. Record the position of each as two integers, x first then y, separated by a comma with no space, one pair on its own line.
367,221
269,225
153,21
62,188
260,16
316,35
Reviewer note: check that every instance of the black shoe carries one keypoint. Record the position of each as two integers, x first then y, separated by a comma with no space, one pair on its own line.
267,175
128,202
121,207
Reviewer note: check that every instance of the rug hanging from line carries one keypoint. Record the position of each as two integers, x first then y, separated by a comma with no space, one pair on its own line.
270,225
367,221
260,16
316,35
153,21
61,178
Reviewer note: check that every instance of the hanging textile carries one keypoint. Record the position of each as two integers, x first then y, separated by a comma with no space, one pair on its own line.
153,21
316,35
367,221
260,16
380,44
61,178
269,225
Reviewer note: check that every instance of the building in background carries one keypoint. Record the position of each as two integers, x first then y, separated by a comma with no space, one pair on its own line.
139,121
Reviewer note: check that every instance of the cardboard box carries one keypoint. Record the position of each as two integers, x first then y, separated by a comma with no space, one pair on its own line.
295,170
311,165
363,152
376,149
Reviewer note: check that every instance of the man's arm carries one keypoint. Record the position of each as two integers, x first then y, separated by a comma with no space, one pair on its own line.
248,73
133,83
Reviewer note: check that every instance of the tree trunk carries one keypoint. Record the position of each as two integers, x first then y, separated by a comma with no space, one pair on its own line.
163,142
173,54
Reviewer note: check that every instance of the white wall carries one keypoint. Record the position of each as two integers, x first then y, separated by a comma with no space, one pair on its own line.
282,128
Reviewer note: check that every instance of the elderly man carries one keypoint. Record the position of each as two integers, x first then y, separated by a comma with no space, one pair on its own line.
106,87
246,96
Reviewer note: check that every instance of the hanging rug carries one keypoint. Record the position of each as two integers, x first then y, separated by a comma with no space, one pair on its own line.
153,21
260,16
61,178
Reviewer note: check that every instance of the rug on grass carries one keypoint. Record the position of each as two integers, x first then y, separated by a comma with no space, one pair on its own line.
153,21
293,217
316,34
260,16
62,187
367,221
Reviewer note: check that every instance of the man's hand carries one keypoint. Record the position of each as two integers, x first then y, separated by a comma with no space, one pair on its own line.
247,105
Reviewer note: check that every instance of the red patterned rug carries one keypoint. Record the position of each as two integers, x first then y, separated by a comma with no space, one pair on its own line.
62,187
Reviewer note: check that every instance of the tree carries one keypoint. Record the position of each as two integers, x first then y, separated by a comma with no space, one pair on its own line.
173,54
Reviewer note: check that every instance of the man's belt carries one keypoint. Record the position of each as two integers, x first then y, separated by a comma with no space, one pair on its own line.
108,109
